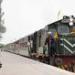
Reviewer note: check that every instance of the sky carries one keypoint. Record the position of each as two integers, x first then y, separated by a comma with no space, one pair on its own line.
23,17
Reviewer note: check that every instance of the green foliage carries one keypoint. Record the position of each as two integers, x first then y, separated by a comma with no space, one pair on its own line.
1,45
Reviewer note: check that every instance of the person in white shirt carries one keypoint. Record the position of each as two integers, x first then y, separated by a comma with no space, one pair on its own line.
30,46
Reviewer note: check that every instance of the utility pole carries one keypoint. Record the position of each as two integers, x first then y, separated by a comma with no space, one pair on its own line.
0,30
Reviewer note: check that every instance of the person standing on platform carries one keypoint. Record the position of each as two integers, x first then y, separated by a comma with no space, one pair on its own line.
51,46
30,46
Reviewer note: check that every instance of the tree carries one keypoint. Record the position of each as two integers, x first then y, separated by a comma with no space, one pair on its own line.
2,28
1,45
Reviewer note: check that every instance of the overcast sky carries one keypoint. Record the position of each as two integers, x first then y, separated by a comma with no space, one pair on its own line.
23,17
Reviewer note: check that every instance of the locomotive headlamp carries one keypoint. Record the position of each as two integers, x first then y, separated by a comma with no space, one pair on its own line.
71,21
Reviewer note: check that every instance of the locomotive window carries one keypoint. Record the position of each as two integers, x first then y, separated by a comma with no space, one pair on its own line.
52,30
63,29
73,29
